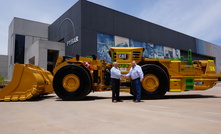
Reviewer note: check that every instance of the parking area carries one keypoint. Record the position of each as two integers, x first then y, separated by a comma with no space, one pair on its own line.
193,112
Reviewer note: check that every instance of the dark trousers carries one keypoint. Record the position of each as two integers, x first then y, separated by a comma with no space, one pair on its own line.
115,89
137,89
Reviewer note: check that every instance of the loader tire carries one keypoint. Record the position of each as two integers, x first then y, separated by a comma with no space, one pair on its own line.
155,82
72,82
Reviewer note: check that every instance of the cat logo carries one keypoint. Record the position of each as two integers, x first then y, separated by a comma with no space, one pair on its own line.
122,56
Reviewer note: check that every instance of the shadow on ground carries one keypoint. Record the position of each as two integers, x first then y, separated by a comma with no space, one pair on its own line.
41,98
192,96
88,98
93,98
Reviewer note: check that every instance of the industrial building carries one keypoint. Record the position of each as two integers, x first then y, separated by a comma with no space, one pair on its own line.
90,29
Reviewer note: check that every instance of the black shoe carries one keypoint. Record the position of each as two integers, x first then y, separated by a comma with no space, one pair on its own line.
114,101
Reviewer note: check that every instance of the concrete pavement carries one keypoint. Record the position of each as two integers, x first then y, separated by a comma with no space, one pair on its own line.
193,112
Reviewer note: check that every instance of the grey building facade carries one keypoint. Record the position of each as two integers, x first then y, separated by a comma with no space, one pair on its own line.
28,43
85,20
3,66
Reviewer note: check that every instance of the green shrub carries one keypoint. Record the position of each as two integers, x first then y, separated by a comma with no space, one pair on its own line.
1,78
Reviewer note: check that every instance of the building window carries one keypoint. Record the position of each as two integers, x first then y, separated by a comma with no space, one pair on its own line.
61,40
52,58
32,60
19,49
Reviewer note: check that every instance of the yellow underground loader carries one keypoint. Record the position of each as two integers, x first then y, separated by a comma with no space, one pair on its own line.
76,77
28,81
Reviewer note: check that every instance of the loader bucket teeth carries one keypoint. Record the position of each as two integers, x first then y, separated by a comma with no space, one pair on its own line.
28,81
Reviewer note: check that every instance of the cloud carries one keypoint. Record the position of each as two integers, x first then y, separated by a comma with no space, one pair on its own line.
36,10
106,3
197,18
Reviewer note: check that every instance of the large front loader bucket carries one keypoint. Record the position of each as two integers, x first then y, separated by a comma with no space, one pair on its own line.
28,81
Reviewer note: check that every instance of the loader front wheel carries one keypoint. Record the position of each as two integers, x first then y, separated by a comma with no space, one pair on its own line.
72,82
155,82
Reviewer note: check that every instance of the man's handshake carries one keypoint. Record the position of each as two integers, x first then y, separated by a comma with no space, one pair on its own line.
124,76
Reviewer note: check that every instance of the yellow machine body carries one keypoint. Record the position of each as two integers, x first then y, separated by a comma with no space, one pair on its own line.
160,75
182,75
76,77
28,81
201,75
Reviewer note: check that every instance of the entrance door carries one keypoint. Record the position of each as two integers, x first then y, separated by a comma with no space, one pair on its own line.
52,58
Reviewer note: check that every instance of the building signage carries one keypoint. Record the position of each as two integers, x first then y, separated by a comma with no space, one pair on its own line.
72,41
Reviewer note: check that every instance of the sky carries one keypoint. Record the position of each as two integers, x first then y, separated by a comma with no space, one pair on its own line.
198,18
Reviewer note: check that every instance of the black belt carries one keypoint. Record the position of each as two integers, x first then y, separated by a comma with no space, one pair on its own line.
115,79
136,78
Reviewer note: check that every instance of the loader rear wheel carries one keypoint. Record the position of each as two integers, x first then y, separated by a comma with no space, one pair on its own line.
72,82
155,82
150,82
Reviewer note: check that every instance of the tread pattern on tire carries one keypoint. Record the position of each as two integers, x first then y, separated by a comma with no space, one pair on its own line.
163,81
85,82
